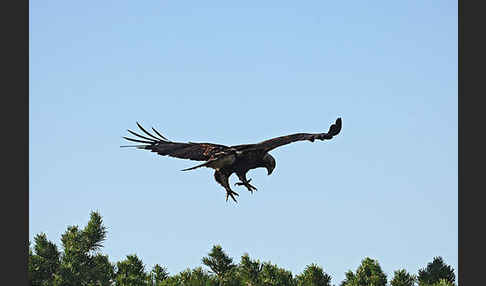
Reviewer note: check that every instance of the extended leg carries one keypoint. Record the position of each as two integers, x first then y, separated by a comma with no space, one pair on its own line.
245,182
222,179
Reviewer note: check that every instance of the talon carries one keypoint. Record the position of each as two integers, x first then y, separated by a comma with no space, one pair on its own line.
247,185
251,188
231,193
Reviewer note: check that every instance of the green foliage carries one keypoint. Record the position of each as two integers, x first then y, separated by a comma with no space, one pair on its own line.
403,278
158,275
368,273
94,233
249,271
131,272
195,277
349,280
44,263
313,275
441,282
218,261
444,282
272,275
81,263
435,271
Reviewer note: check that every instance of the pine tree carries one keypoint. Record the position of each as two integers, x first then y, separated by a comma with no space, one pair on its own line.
435,271
403,278
313,275
219,262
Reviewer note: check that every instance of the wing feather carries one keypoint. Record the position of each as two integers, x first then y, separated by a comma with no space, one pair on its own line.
136,140
164,147
273,143
146,132
159,134
141,136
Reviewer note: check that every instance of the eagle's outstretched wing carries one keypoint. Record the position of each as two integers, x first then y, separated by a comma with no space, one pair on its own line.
273,143
164,147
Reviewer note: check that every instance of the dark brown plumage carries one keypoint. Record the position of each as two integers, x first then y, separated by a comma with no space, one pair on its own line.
226,160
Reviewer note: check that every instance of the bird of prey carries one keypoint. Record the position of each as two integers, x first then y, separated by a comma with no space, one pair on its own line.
226,160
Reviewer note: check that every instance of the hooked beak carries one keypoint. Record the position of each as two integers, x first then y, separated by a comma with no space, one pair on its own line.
269,172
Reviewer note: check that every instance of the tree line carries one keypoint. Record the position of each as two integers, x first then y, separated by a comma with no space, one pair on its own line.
81,263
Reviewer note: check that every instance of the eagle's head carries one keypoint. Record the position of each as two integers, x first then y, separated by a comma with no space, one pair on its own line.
269,163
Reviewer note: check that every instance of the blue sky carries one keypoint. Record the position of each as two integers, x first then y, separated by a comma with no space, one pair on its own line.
234,73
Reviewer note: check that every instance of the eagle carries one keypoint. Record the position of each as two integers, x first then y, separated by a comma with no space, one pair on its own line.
226,160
